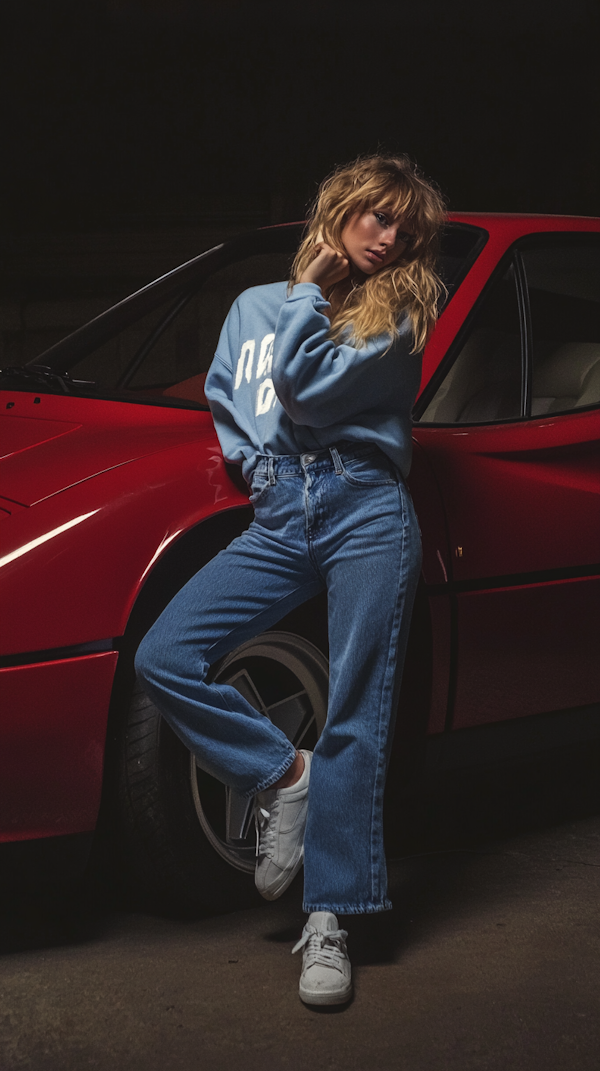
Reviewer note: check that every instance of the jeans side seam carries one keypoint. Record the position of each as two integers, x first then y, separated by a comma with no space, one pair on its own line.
387,688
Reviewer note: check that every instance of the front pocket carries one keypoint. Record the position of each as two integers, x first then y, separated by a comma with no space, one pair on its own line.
372,470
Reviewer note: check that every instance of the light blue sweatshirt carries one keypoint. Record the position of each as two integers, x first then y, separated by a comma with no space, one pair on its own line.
279,385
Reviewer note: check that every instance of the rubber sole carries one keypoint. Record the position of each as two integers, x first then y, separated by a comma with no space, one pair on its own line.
288,876
320,997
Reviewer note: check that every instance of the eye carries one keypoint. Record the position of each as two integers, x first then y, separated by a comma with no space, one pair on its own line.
381,219
403,236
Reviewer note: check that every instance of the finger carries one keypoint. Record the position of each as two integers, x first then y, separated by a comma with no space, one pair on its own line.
318,246
332,254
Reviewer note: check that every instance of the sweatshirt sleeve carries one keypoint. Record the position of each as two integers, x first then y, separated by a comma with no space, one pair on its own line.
317,381
235,436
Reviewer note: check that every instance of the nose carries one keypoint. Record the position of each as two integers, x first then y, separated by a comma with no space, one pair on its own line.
388,238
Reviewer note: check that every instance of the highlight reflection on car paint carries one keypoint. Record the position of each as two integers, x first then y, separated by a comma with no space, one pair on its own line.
37,542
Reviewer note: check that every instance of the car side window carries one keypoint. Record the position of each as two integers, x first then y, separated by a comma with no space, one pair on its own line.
146,360
563,280
156,345
483,384
189,347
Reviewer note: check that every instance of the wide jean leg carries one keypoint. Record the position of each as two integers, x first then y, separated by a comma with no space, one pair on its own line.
370,556
340,519
244,590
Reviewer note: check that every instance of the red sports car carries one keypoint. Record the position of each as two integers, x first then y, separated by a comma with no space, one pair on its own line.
114,492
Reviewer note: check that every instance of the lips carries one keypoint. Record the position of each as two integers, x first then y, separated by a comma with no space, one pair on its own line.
377,257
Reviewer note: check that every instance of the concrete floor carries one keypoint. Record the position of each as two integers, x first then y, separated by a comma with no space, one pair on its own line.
489,962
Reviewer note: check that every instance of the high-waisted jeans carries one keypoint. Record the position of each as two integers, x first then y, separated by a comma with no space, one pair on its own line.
339,519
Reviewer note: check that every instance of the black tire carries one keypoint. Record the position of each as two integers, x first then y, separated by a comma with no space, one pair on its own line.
190,841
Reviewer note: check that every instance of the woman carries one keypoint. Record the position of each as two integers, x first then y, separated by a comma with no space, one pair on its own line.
311,391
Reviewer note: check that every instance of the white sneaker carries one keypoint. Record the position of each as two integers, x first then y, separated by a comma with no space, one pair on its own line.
280,822
326,972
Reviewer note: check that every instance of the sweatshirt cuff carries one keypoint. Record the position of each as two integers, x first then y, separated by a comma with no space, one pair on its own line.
304,290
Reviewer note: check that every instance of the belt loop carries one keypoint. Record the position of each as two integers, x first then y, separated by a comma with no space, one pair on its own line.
271,472
337,461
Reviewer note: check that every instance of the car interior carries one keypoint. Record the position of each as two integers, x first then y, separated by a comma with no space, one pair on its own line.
483,384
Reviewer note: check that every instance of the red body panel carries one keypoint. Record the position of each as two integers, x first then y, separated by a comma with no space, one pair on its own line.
527,650
83,580
441,662
520,497
436,570
430,511
53,737
108,434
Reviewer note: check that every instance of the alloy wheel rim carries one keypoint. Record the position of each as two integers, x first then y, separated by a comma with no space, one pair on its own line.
286,678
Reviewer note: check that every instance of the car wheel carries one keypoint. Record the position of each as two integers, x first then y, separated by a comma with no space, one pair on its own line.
191,839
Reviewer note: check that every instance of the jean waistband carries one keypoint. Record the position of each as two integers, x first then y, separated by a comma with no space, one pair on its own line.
330,457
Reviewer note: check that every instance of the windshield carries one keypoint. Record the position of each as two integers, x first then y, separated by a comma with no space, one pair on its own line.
157,346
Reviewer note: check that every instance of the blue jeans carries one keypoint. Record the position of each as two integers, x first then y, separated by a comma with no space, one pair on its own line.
339,519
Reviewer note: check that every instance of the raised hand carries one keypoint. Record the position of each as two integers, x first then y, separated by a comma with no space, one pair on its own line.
327,268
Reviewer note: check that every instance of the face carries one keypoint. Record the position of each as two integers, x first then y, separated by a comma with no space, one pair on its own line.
375,238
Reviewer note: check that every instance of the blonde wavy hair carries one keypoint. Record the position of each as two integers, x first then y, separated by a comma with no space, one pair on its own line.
409,284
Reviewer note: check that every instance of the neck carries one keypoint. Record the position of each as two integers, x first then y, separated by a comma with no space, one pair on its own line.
337,294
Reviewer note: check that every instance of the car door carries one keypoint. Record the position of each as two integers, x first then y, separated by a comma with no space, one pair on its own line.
511,429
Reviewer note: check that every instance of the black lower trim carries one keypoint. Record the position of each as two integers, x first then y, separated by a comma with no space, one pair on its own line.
514,580
45,864
500,742
55,654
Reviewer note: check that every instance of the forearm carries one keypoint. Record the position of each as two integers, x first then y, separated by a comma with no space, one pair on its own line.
317,381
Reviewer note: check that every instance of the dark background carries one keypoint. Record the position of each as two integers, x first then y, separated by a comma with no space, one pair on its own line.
165,113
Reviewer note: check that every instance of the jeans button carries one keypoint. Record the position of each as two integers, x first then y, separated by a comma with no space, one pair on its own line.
309,458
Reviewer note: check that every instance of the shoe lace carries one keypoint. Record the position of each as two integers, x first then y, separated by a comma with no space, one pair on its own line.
265,830
327,949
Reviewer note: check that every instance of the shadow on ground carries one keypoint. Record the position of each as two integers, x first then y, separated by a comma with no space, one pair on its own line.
431,837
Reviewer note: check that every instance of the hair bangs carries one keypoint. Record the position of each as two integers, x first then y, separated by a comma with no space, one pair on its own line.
398,203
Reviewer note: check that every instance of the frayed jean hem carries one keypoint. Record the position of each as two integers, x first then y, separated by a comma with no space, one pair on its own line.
349,909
